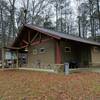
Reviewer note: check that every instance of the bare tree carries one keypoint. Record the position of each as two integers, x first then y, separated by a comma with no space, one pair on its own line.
12,19
32,10
26,8
1,8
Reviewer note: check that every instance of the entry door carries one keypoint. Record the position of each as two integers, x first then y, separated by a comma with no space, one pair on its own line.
85,56
23,59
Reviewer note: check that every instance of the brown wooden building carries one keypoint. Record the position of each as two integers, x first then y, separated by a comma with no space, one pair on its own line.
45,47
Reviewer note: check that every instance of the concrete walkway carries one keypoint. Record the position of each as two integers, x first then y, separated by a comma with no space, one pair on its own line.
37,69
53,71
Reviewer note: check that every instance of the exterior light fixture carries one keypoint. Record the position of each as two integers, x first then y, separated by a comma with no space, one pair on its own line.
26,49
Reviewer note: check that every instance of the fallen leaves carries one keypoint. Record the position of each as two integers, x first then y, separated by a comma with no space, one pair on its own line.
29,85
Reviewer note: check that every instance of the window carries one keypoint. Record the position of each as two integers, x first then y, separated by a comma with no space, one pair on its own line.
35,51
42,50
67,49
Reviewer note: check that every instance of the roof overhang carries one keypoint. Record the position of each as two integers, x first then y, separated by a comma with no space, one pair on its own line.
55,35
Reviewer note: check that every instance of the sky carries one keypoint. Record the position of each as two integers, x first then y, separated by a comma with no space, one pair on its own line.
73,4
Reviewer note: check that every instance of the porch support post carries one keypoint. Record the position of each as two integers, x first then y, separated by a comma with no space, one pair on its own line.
17,63
3,57
58,53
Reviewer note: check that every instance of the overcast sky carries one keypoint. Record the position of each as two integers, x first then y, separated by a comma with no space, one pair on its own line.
73,4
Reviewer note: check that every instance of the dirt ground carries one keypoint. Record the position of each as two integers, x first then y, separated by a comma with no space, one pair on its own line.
29,85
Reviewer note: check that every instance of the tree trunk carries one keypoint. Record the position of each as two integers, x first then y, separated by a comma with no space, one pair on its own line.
79,26
98,12
2,30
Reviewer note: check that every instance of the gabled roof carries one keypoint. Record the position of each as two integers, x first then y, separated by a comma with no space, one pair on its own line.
59,35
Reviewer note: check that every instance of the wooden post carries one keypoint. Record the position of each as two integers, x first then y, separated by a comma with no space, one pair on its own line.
3,58
17,63
58,53
11,66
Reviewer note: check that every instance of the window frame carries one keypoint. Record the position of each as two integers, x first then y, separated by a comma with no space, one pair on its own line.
68,48
35,51
44,50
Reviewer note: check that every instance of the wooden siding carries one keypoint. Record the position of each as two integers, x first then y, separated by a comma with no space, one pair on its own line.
95,55
46,58
78,53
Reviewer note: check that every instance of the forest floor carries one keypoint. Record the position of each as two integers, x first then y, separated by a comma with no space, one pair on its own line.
30,85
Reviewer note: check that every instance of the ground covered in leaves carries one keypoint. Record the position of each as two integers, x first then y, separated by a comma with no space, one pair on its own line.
29,85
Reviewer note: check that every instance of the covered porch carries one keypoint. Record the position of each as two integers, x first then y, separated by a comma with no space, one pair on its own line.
77,54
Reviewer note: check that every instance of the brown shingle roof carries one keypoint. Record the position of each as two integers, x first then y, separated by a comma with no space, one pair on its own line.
62,35
56,35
